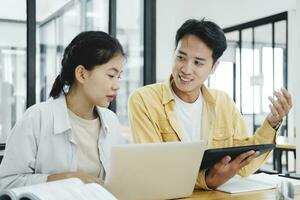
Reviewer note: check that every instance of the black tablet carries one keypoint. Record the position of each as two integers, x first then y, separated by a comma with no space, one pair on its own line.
212,156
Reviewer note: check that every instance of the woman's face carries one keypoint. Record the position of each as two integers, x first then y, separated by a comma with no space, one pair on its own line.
102,83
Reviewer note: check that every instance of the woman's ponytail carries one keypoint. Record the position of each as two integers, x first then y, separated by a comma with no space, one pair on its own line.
57,87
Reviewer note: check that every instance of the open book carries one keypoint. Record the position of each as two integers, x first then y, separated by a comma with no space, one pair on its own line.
254,182
67,189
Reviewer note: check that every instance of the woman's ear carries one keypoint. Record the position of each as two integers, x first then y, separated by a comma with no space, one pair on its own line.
80,73
214,67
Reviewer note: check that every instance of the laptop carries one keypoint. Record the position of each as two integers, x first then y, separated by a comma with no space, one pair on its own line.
154,171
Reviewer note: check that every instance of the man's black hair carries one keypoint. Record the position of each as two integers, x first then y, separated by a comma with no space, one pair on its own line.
209,32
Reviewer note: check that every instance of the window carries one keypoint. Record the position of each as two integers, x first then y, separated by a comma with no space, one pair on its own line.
57,22
56,32
12,65
130,28
254,64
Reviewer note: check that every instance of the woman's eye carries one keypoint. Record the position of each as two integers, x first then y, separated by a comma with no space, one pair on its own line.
179,57
110,76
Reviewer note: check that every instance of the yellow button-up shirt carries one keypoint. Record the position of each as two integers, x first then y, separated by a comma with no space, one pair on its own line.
152,119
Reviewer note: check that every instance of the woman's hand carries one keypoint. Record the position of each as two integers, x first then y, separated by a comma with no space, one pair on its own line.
82,176
224,170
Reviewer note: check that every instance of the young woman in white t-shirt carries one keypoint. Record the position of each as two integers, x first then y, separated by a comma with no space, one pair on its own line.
71,134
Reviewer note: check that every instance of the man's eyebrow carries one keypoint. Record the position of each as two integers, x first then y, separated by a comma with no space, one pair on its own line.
197,58
181,52
201,59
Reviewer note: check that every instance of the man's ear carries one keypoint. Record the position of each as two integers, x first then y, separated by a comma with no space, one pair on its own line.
80,73
214,67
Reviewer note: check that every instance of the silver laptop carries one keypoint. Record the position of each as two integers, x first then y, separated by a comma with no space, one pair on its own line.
154,171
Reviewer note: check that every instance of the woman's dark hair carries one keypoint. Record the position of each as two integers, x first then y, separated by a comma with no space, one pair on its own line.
88,49
209,32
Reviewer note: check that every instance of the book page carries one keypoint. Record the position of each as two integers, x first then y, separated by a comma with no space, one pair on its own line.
239,184
49,190
94,191
72,189
274,178
254,182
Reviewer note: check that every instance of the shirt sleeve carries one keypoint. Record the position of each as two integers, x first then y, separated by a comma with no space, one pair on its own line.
18,164
142,126
263,135
200,182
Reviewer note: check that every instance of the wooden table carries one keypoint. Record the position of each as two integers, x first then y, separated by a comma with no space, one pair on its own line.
258,195
283,144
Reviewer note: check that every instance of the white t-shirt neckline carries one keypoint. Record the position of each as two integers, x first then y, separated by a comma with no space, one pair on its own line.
189,115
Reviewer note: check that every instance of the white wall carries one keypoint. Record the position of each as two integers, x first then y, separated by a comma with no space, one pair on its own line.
297,83
292,64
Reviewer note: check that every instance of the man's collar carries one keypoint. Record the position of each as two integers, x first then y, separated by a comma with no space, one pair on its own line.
167,91
207,95
168,95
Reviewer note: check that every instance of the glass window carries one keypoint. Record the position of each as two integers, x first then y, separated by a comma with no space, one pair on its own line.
247,54
130,34
62,24
49,65
260,67
70,24
280,62
280,59
223,77
264,87
262,80
97,15
12,65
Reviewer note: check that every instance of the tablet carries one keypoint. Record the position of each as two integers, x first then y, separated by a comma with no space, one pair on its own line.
212,156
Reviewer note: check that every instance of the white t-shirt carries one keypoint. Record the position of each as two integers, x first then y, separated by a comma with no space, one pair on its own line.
189,115
86,135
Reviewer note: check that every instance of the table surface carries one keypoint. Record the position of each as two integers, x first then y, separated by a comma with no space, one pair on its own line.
257,195
284,142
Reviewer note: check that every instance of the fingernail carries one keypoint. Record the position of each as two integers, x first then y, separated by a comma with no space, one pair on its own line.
228,158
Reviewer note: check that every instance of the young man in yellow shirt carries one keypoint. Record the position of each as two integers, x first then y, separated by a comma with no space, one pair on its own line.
184,109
